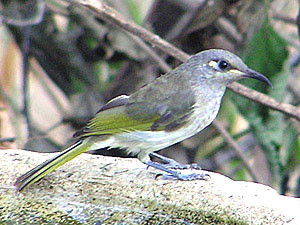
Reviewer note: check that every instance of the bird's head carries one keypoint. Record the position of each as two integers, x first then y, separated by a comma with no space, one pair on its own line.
224,67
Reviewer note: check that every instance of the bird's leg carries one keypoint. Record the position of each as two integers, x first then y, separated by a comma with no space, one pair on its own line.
176,174
172,164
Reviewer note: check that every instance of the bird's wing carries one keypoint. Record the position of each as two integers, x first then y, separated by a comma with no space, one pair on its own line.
149,109
168,101
112,118
112,121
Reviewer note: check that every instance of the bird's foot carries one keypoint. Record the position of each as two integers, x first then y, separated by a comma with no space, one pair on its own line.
179,166
190,177
172,164
172,174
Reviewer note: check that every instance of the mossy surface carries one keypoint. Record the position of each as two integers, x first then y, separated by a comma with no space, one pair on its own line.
105,190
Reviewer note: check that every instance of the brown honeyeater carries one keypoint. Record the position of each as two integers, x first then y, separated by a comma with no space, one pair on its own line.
172,108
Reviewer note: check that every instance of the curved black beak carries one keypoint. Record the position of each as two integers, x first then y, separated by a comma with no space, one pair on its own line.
255,75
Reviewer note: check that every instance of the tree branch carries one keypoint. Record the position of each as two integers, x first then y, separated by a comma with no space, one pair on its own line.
111,16
238,151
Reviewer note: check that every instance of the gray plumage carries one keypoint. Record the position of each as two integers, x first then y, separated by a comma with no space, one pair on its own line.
172,108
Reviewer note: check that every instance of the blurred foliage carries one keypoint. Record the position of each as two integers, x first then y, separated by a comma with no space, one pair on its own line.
267,53
91,61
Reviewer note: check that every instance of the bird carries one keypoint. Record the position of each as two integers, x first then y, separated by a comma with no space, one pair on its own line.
172,108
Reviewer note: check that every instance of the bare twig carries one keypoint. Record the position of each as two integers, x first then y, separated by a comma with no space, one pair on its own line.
26,26
113,17
185,21
32,20
8,139
25,72
238,151
298,22
162,64
284,18
229,31
261,98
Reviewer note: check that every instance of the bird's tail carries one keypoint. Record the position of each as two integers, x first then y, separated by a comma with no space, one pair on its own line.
48,166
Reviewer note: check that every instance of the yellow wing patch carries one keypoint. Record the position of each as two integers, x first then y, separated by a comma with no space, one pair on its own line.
114,121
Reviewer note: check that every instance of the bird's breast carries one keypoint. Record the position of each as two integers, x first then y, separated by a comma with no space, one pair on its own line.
204,114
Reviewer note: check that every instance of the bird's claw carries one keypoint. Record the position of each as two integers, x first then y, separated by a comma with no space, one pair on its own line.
178,166
193,176
185,177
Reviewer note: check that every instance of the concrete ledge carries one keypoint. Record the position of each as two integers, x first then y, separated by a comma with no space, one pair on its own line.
105,190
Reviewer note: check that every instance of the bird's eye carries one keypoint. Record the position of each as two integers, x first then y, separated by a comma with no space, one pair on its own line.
223,65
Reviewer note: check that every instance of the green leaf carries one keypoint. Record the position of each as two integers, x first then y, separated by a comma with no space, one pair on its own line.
134,11
267,53
291,156
240,174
